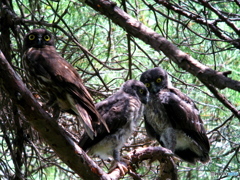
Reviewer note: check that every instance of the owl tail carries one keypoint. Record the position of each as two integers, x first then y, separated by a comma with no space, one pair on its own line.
84,119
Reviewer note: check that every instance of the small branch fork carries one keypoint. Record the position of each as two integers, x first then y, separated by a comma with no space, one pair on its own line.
168,169
58,139
211,78
159,43
68,151
212,25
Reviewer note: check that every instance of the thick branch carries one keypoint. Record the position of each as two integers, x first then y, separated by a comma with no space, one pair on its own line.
69,152
65,147
159,43
168,168
224,100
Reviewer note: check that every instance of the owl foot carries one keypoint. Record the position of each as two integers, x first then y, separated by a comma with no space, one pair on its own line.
52,108
121,165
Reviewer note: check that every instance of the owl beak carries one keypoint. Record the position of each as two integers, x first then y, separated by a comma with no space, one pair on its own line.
39,41
154,89
145,100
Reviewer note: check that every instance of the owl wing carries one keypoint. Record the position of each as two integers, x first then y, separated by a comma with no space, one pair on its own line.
114,111
32,59
55,70
184,115
57,73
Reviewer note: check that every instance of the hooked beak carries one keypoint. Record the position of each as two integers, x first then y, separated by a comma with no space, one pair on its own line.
145,100
39,41
154,89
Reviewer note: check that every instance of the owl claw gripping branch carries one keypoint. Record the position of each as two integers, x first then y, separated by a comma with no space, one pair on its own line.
57,81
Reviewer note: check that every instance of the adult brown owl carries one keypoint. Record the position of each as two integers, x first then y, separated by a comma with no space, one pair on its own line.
121,112
56,80
173,119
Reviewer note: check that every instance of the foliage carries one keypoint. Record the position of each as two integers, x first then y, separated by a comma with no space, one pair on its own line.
106,56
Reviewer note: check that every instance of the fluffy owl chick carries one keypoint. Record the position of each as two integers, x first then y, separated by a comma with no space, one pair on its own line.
121,112
56,80
173,119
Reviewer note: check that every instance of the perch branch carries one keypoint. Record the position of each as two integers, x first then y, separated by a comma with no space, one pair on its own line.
68,151
168,168
159,43
59,140
206,75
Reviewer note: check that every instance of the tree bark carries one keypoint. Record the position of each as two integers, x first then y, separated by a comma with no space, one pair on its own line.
209,77
65,147
57,138
168,169
159,43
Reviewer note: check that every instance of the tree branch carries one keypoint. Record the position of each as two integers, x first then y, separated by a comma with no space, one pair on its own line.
168,168
58,139
224,100
159,43
206,75
65,147
221,16
200,20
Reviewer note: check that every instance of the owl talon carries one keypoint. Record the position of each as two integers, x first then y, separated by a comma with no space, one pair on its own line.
121,166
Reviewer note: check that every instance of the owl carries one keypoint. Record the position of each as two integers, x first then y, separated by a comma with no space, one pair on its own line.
121,112
57,81
173,119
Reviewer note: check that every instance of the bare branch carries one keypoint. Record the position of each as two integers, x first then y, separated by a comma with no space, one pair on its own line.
224,100
60,141
68,151
159,43
197,18
168,168
225,19
206,75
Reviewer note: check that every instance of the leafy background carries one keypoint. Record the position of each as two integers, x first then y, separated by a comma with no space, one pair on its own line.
113,57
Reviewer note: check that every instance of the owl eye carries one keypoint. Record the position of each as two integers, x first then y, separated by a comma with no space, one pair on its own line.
141,91
158,80
147,85
47,38
31,37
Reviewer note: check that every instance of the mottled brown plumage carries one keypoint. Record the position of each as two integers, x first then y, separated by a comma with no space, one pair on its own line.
121,112
173,119
56,80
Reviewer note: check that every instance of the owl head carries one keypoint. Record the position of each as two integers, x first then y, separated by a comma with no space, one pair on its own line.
137,89
155,79
38,38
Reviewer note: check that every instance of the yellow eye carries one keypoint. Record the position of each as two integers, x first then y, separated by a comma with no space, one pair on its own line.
47,38
158,80
147,85
31,37
141,91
